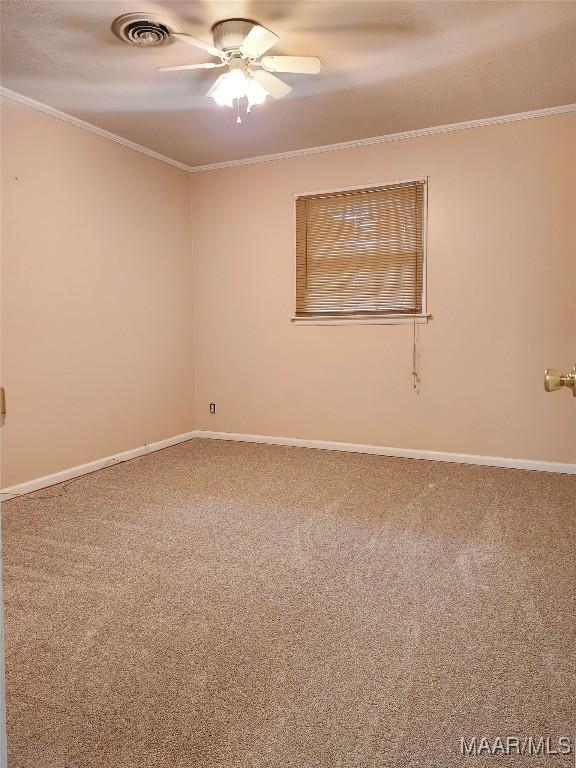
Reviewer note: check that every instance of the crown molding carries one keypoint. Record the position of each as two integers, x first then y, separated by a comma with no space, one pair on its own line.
480,123
47,110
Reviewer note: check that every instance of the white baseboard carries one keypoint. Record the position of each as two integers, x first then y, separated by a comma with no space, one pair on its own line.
85,469
403,453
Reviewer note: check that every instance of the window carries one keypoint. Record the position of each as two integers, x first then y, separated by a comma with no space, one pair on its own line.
360,253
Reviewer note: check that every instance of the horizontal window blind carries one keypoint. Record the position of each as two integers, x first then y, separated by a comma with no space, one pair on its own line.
360,252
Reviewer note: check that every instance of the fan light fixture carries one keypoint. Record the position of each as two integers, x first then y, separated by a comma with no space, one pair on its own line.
249,76
235,85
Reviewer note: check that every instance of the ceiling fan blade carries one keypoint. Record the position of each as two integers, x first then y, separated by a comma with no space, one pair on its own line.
214,85
275,87
306,65
257,42
194,41
207,65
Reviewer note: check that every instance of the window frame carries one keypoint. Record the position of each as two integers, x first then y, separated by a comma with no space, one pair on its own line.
381,318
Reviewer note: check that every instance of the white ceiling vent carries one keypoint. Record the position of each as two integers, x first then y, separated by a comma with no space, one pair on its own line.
141,29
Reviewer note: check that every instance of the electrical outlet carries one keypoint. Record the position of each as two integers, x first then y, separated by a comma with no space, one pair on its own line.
212,407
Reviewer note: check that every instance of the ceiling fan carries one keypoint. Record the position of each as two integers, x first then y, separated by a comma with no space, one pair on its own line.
239,45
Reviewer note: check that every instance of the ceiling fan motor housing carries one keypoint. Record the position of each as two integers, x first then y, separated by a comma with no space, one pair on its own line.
229,34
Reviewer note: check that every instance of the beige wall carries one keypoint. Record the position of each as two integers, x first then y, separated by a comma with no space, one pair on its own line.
502,289
101,352
96,296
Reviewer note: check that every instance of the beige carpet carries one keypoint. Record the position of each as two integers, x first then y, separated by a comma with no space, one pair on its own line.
222,605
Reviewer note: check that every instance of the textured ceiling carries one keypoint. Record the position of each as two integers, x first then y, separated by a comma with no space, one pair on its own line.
387,67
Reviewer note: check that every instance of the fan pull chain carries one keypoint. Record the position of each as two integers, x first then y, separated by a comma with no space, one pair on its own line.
238,118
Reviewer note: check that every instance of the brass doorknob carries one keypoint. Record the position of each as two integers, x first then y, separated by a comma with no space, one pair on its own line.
553,380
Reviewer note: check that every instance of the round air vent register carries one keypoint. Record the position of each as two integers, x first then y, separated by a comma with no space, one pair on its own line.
144,31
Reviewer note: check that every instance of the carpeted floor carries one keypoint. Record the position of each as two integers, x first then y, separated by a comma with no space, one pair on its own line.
226,605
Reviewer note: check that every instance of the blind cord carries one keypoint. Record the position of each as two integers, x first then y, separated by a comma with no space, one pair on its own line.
415,356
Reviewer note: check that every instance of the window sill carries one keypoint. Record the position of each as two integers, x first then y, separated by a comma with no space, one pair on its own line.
376,320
